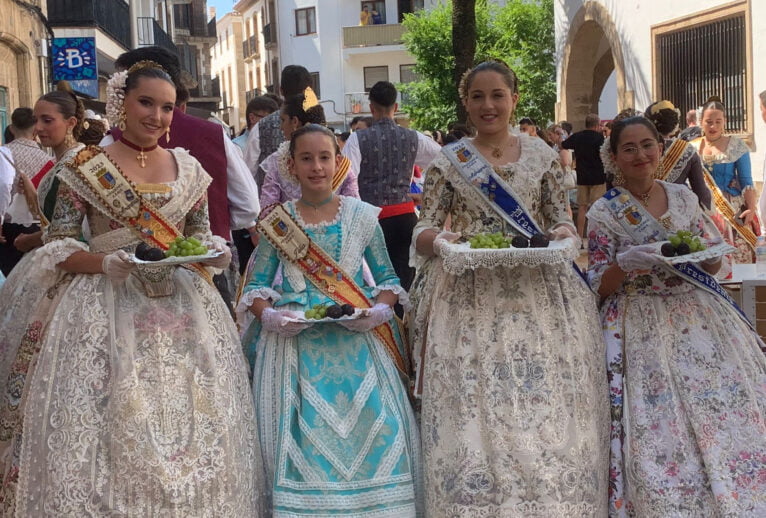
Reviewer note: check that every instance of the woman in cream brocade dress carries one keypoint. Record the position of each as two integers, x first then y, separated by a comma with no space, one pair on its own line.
515,413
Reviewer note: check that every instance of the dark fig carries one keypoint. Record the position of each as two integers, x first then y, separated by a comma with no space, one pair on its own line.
539,241
335,311
520,242
348,309
141,251
154,254
668,250
683,249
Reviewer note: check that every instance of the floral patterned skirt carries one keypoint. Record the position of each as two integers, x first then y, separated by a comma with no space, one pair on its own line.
688,394
514,413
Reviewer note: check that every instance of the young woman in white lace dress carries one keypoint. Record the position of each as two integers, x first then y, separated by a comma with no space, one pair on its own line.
138,405
687,375
514,414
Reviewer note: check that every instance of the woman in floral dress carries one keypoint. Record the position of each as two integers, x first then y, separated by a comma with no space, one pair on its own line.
687,376
514,418
139,403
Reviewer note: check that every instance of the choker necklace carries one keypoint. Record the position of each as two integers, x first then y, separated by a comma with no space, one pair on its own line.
141,157
316,206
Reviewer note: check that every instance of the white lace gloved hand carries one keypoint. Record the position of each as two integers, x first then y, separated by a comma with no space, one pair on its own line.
641,257
278,321
117,266
222,261
379,314
443,237
564,232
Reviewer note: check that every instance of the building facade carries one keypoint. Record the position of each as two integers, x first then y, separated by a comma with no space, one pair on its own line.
681,51
23,56
344,56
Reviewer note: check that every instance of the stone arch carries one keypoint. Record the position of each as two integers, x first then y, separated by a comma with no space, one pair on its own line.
18,68
592,51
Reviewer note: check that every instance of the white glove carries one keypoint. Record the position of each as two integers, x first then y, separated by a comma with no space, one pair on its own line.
117,266
379,314
278,321
641,257
222,261
442,238
564,232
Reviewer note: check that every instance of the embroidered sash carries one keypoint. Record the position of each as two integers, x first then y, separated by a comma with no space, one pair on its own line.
644,228
482,177
287,236
726,210
672,158
495,191
341,173
122,202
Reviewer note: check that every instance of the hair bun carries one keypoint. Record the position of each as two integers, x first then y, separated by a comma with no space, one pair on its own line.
713,99
64,86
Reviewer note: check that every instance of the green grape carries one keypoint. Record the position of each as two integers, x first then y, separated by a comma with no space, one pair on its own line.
200,250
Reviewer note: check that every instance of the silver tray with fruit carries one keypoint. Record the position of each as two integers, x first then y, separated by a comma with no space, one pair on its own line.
718,250
319,313
496,250
181,251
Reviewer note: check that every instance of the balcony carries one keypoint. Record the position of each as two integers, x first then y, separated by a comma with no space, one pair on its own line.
269,35
251,94
250,47
108,15
358,103
373,35
150,33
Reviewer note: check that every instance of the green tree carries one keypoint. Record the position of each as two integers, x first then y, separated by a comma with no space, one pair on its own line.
520,33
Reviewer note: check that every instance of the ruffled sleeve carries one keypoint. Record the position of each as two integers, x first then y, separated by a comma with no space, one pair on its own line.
264,272
376,256
63,236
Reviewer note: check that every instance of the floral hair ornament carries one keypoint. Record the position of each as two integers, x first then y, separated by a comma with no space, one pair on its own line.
309,99
115,89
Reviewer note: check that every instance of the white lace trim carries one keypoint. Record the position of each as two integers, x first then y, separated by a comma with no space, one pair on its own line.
404,297
358,223
459,257
249,297
316,226
416,258
57,251
283,155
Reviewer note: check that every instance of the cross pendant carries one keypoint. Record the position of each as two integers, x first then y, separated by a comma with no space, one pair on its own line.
141,157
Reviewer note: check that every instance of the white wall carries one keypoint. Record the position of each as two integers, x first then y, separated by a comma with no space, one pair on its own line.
634,20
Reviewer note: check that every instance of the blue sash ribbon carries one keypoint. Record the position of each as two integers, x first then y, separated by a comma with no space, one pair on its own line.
495,191
644,228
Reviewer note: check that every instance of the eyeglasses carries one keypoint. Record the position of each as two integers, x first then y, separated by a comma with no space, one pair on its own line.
649,148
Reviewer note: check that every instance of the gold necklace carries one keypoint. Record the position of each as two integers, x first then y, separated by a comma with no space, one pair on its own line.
644,198
497,151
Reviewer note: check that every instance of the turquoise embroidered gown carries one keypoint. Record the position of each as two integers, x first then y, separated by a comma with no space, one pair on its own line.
338,434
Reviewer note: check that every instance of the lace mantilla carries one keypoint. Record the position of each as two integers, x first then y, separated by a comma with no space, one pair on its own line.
459,257
58,251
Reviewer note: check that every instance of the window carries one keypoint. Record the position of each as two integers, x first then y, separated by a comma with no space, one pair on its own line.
407,75
698,60
305,21
373,12
182,16
188,58
374,74
315,84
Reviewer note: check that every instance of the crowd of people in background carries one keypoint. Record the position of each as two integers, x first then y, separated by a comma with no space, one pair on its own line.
366,363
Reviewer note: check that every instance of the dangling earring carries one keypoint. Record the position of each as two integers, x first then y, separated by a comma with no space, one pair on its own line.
69,139
123,119
618,178
167,136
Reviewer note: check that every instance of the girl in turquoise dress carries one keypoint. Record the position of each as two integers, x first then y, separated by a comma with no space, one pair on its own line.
338,434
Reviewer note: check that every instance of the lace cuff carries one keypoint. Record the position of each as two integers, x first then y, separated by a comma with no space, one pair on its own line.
57,251
417,260
404,298
249,297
